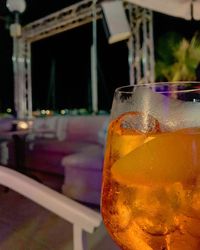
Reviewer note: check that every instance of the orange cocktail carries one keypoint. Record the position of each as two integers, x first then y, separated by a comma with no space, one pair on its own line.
151,184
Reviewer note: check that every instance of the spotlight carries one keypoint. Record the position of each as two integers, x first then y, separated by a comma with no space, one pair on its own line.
115,21
17,7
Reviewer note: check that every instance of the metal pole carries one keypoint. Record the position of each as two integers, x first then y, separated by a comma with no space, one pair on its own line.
18,84
151,41
28,79
131,48
16,76
18,69
130,61
94,80
145,54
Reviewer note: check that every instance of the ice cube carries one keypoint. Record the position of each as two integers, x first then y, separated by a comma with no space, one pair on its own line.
194,203
138,122
123,213
135,238
177,196
132,238
173,114
190,225
116,208
153,212
130,131
183,241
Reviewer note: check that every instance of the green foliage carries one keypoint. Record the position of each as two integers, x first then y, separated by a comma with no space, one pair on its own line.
177,58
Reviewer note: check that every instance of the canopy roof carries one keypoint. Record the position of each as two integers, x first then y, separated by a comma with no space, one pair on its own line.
186,9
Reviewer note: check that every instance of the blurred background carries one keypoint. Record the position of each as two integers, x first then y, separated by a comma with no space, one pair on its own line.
61,73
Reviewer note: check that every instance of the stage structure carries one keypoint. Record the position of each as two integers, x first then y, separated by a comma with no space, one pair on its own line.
140,45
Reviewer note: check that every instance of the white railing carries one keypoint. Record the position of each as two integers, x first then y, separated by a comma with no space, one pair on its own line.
83,218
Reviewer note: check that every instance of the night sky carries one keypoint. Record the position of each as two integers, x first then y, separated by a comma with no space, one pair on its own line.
69,54
70,51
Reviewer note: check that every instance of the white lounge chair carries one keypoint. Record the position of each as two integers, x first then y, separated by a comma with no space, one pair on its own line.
84,219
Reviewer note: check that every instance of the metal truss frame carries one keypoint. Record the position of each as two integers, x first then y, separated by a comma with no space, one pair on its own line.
140,45
60,21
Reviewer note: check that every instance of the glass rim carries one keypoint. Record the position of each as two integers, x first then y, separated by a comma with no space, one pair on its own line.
121,89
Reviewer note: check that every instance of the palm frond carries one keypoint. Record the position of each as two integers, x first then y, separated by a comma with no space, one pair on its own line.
186,57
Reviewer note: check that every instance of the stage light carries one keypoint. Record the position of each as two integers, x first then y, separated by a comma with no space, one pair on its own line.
16,5
22,125
48,112
115,21
63,112
9,110
43,111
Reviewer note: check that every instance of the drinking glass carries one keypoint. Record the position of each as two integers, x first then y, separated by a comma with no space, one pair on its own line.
151,177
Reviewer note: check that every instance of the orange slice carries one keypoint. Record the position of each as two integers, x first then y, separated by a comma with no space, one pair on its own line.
169,157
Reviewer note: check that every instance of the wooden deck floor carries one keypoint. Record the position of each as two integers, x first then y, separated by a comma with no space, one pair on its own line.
25,225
